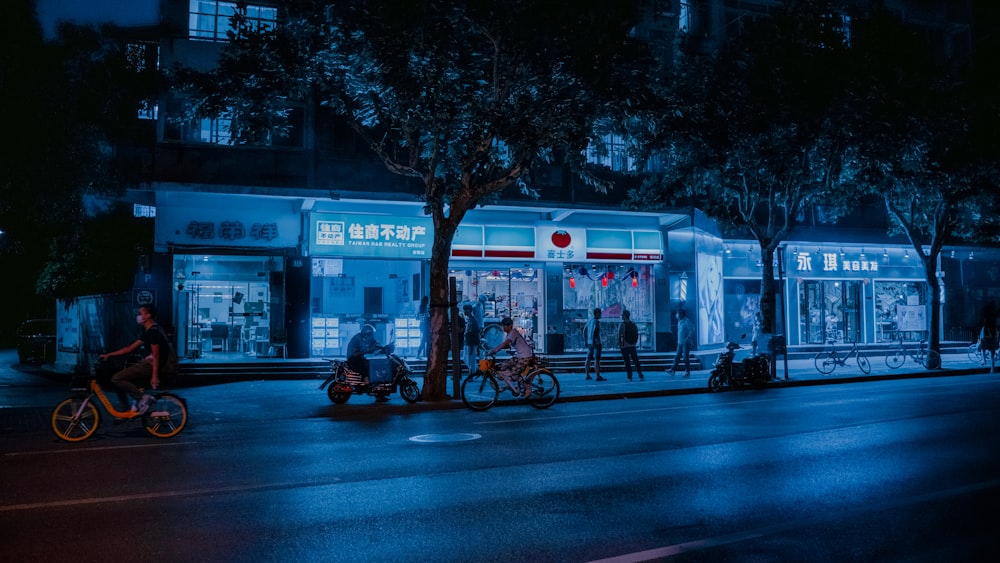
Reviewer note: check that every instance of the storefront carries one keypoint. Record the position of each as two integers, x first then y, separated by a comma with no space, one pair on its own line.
550,277
835,293
848,294
227,257
256,276
367,269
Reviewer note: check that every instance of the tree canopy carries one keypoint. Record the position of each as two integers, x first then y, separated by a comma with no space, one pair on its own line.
750,133
67,103
466,96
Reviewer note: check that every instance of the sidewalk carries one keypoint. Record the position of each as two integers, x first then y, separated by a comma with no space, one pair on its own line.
574,387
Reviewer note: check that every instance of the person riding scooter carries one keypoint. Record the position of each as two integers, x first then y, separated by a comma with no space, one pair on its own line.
362,343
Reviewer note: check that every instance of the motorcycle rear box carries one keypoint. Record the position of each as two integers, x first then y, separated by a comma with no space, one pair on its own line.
380,370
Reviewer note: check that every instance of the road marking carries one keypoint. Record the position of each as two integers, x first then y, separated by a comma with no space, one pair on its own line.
160,495
445,438
706,543
97,449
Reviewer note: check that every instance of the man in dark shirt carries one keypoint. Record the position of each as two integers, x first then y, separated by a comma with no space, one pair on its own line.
149,369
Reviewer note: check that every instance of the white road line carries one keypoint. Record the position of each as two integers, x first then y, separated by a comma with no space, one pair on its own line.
163,494
705,543
97,449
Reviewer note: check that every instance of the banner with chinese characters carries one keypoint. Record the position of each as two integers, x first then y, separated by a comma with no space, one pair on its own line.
212,220
374,236
743,259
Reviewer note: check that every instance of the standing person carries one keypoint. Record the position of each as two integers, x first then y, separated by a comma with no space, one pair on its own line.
424,317
151,368
592,337
628,339
471,337
685,336
755,335
988,330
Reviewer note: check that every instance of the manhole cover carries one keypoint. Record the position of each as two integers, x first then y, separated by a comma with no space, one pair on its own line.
439,438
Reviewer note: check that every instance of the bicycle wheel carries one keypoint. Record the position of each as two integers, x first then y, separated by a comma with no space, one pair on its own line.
544,388
895,359
70,427
825,362
864,364
480,391
974,353
166,416
930,358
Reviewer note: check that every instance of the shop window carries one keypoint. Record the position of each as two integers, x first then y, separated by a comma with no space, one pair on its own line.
496,293
830,311
900,311
348,294
613,288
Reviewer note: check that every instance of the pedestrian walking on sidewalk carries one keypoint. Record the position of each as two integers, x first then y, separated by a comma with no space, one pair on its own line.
628,339
988,331
592,336
685,337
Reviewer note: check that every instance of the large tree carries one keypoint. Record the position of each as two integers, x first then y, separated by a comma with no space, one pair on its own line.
925,139
750,133
464,96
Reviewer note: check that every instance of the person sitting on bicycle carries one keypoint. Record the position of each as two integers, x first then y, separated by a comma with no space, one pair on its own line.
523,353
361,343
155,341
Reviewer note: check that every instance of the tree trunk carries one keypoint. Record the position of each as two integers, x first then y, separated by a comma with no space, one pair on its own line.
768,291
934,286
436,378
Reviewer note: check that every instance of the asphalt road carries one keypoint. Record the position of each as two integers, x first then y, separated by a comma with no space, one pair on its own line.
271,471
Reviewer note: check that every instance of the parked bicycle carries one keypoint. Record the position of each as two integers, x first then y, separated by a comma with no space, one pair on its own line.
75,419
828,360
920,354
535,384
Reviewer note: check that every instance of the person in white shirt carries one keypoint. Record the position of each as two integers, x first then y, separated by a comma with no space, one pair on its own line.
523,352
685,338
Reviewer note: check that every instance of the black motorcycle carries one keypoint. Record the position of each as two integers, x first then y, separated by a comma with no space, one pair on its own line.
728,373
386,374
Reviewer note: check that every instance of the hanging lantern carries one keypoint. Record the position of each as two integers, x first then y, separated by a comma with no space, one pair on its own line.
635,279
572,281
604,281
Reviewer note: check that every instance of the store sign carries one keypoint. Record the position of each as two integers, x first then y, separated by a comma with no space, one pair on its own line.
376,236
832,262
560,244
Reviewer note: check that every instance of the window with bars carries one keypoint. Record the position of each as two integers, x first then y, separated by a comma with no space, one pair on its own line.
208,20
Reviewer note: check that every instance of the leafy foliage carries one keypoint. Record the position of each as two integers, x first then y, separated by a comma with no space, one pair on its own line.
925,143
752,132
465,96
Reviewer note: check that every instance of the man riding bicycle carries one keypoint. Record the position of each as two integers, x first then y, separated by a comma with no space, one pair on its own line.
151,369
523,353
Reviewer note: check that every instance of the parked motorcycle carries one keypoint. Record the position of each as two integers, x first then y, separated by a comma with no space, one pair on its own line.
386,374
753,371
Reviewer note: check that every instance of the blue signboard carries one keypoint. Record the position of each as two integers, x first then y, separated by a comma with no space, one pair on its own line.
374,236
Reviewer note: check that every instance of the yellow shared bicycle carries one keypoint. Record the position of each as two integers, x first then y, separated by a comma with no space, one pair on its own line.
77,418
